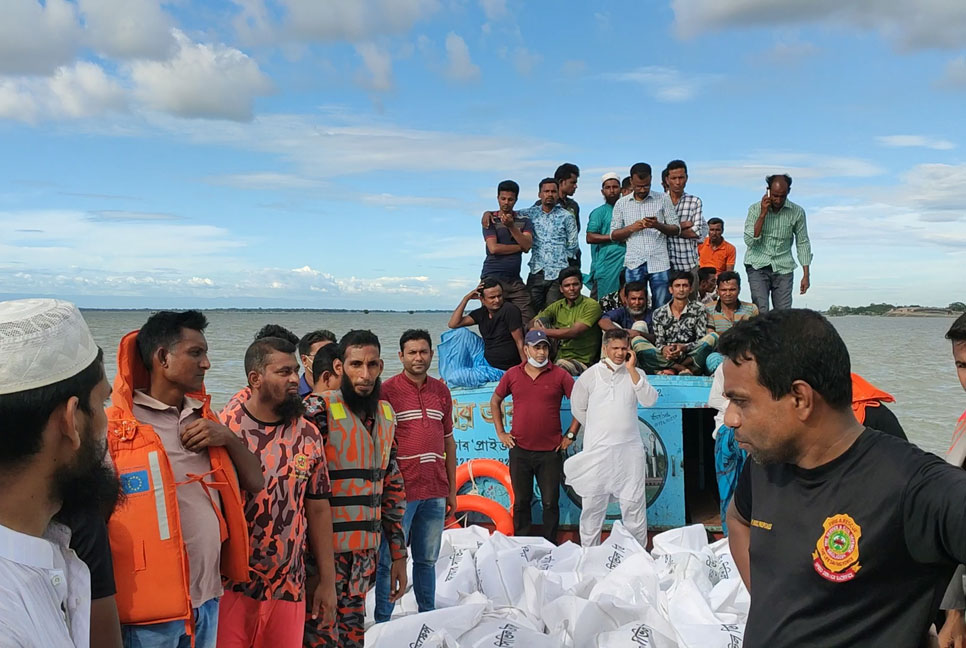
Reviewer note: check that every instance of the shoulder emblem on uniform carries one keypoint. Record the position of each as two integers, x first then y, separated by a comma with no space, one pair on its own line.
387,410
338,411
836,555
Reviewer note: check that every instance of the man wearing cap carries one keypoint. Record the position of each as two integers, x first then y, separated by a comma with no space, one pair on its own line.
52,449
537,387
607,255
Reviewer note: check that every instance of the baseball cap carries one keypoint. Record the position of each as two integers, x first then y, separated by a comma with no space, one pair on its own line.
536,337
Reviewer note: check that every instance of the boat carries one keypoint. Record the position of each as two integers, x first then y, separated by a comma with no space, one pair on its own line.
679,449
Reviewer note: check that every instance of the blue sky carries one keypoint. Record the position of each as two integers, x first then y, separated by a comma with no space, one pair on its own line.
338,154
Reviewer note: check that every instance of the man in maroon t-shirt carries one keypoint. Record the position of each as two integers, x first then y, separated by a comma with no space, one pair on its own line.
535,441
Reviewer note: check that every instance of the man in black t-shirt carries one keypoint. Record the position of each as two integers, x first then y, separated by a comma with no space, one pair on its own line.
845,536
500,323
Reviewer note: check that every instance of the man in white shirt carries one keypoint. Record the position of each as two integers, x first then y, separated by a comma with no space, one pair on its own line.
612,463
52,458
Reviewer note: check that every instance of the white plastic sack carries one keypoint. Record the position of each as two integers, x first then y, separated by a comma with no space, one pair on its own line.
505,633
500,565
471,537
419,627
455,576
689,539
725,635
599,561
636,635
635,581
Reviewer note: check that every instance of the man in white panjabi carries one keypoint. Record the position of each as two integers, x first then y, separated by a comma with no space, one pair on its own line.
612,463
52,450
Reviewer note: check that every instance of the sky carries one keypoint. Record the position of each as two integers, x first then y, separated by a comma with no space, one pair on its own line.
338,154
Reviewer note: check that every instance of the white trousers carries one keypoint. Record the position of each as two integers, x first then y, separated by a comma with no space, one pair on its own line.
633,515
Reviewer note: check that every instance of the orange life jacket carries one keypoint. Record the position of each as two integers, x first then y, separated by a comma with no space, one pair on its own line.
357,461
865,394
150,560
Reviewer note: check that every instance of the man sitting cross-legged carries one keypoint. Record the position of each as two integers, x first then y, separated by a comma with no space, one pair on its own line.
572,322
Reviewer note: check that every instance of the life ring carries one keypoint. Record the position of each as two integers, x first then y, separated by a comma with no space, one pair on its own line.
467,471
477,503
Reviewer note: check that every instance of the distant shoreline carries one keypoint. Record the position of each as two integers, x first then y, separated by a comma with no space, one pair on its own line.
362,311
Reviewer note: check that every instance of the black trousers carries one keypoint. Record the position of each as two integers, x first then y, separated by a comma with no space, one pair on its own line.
547,467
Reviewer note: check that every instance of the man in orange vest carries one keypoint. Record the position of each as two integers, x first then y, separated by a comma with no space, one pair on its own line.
270,610
368,498
182,526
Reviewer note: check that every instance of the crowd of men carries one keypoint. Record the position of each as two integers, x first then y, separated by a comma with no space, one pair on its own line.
641,242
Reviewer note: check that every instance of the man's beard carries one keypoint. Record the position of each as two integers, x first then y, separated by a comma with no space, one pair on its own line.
291,408
361,405
612,201
90,483
636,312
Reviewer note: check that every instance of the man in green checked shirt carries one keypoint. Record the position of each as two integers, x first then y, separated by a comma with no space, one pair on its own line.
771,226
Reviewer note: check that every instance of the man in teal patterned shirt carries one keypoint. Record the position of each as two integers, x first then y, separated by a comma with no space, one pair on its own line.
554,244
771,226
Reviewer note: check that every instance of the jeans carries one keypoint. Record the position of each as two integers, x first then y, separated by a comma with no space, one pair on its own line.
660,294
423,525
547,467
542,291
764,282
171,634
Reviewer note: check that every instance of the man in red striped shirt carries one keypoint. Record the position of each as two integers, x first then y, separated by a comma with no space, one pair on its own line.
427,459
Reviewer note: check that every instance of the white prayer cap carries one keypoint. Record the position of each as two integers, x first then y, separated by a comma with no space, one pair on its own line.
42,341
609,176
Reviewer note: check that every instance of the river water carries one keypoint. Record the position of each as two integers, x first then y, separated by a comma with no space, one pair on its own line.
906,356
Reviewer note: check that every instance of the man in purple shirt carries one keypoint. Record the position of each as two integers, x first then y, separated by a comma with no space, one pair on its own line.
508,234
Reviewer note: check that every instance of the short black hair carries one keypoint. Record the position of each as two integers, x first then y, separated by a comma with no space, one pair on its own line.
415,334
789,345
491,282
358,337
508,185
546,181
325,360
278,331
568,272
664,175
716,221
957,332
24,414
321,335
772,178
681,274
615,334
626,183
728,275
635,286
705,272
163,330
565,170
258,351
641,170
677,164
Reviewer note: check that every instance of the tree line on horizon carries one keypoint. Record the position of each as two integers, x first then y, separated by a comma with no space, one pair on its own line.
882,309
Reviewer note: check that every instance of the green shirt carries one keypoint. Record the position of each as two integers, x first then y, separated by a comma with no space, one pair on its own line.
774,245
607,258
586,346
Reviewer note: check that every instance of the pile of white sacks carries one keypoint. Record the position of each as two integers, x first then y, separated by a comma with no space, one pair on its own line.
502,591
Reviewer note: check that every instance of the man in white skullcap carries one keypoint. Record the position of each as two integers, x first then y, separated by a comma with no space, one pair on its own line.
52,459
607,255
611,463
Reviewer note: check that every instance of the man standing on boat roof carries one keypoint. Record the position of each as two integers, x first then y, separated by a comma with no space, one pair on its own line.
538,387
508,234
715,252
554,245
683,248
611,463
607,256
844,536
644,220
771,226
953,632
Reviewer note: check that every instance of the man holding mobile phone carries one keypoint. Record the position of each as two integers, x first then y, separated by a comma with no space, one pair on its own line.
611,464
771,226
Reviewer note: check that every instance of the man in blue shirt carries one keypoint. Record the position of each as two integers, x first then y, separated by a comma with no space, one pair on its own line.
634,316
554,245
308,345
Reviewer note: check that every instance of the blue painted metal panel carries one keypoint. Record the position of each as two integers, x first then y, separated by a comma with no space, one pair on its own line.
661,431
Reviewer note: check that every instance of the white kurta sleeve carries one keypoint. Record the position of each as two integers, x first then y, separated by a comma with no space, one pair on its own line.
646,395
580,396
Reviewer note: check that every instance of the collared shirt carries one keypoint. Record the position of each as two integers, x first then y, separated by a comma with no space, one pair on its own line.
504,266
708,299
561,314
45,591
623,318
720,321
687,329
607,259
606,402
199,523
554,240
684,251
648,245
424,418
536,405
719,257
570,205
774,245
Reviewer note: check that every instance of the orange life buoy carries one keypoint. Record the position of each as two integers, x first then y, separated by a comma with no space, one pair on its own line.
479,504
491,468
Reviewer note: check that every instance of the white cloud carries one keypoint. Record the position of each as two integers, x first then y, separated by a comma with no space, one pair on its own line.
525,61
378,65
37,38
459,65
72,92
265,180
126,29
955,74
924,24
915,141
665,83
208,81
788,51
493,9
936,191
750,172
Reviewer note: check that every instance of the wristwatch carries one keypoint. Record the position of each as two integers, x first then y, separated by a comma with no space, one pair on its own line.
570,435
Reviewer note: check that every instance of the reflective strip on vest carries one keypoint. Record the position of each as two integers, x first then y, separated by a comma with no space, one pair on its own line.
164,531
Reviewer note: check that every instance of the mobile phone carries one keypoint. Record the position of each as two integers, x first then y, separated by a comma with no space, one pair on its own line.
769,192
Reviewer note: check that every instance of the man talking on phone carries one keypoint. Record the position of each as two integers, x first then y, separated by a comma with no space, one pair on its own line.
611,465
